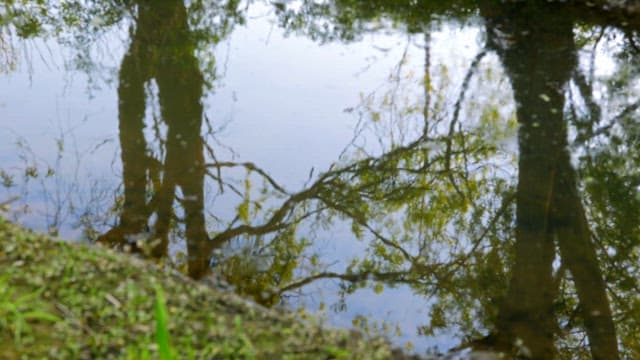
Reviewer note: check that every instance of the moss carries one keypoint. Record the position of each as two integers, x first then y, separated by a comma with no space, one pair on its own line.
65,300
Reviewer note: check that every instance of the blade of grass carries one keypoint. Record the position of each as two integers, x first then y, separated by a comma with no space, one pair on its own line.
162,329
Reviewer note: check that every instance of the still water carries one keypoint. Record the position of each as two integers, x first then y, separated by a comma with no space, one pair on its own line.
457,174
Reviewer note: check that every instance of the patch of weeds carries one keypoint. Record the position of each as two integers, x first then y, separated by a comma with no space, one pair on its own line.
18,312
245,347
114,306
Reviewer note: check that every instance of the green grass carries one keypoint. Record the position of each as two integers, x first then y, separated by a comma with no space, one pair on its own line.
67,301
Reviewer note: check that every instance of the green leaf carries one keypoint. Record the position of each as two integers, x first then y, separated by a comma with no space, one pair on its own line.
40,315
379,288
337,352
243,211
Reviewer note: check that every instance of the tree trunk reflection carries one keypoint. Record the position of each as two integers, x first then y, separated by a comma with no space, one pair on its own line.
162,49
536,46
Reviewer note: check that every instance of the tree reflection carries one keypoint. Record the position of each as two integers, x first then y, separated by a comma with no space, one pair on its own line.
162,49
540,57
536,46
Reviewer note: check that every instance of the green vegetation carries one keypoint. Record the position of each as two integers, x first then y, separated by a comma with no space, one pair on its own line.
63,300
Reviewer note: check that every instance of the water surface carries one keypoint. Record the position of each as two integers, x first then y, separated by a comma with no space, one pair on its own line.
457,174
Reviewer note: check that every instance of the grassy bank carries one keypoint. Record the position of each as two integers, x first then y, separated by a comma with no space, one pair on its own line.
70,301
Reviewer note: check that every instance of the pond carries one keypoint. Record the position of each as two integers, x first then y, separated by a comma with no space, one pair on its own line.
455,175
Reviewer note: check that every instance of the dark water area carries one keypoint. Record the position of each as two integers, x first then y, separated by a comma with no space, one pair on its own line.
458,175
